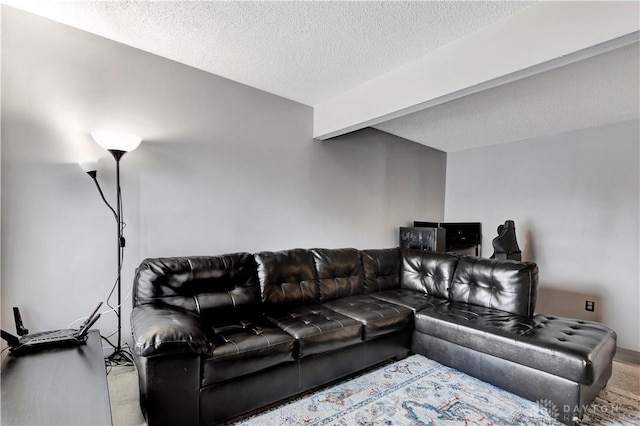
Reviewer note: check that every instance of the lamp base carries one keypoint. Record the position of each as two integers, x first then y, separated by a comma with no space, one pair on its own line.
119,356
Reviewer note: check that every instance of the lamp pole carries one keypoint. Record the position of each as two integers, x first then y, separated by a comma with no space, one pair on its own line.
117,144
117,155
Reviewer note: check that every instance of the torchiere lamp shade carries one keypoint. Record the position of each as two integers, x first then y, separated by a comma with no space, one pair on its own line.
116,141
89,166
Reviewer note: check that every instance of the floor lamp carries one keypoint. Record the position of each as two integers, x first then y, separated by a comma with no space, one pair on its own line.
117,144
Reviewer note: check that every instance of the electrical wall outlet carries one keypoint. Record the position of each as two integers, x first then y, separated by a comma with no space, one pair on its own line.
589,305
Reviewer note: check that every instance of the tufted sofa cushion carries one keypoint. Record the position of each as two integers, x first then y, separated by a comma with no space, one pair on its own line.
559,346
287,277
377,316
416,301
316,328
339,273
246,346
224,284
427,272
592,342
507,285
381,269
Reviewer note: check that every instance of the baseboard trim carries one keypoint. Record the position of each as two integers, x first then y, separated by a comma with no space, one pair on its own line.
627,356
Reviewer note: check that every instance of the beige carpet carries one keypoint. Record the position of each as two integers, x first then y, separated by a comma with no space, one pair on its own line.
619,402
123,395
625,377
622,392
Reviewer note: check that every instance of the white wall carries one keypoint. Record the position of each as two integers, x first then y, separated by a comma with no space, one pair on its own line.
575,201
222,168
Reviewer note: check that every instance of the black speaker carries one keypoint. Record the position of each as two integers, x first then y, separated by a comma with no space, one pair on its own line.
462,235
423,238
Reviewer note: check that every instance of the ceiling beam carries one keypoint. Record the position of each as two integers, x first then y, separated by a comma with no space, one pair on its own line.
544,36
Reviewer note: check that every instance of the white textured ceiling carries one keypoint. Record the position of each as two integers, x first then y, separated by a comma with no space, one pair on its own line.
313,51
307,51
596,91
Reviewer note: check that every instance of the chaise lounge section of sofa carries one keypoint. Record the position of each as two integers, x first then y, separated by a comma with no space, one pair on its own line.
216,337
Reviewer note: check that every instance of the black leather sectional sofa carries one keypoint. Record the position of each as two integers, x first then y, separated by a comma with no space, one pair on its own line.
216,337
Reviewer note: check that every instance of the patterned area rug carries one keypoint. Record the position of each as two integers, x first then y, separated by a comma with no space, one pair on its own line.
419,391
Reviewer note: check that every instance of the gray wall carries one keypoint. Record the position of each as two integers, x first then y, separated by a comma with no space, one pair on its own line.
222,168
575,200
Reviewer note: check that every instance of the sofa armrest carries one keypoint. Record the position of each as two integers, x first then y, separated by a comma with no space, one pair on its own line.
163,330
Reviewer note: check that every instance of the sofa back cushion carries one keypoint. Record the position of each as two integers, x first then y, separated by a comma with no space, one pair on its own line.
381,269
508,285
287,277
339,273
225,284
427,272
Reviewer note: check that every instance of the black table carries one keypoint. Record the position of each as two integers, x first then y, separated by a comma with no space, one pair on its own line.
62,386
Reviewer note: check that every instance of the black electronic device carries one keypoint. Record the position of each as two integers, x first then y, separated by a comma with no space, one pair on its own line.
20,328
36,341
462,235
422,238
10,338
422,224
441,236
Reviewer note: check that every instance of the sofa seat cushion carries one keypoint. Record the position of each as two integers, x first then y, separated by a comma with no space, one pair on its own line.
316,328
244,347
414,300
378,316
573,349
